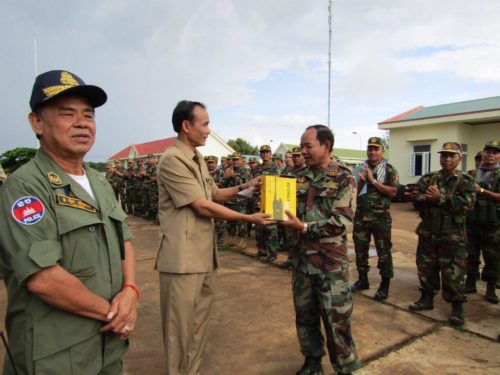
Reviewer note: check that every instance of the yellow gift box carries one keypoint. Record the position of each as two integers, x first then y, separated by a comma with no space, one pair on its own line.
278,193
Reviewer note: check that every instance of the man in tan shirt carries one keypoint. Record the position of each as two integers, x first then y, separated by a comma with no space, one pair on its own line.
187,254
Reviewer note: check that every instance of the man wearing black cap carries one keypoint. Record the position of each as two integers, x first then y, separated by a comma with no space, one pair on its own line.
65,248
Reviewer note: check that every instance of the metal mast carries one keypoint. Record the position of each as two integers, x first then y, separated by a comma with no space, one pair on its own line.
329,57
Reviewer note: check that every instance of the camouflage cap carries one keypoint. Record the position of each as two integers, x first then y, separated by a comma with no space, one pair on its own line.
265,148
277,156
492,144
229,156
210,158
150,155
205,158
375,142
130,161
235,156
296,151
252,159
452,148
223,158
117,161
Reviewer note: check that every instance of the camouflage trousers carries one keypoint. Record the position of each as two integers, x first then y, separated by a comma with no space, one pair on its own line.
237,228
486,239
220,227
130,200
151,199
381,231
140,199
445,256
267,238
326,297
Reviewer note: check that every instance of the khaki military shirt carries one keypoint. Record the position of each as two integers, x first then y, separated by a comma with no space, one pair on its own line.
48,219
187,240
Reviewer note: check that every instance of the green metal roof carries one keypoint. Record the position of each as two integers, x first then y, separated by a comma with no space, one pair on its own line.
469,106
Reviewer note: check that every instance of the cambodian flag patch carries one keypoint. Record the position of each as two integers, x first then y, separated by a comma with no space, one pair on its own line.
28,210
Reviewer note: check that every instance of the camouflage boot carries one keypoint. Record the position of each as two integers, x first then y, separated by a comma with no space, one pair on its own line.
457,314
362,283
426,302
491,295
383,290
470,283
312,366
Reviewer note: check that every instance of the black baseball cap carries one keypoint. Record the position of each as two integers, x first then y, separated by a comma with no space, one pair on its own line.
57,83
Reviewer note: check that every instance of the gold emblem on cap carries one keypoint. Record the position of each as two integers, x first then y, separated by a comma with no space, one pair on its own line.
448,146
332,173
494,143
67,81
373,140
54,178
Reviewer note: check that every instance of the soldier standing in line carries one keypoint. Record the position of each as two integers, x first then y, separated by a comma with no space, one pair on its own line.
299,166
119,183
110,170
130,191
377,184
140,194
443,199
223,163
484,223
289,167
151,189
320,280
236,176
218,176
278,161
265,237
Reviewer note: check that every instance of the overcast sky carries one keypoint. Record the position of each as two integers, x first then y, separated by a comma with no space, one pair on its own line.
260,66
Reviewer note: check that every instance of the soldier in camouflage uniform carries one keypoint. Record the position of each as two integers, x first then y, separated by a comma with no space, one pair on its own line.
443,199
119,183
151,189
140,193
326,201
130,188
218,176
110,171
265,237
277,160
235,176
289,168
377,184
484,223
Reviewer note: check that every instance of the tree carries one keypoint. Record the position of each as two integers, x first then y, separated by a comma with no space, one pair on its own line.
13,159
99,166
243,147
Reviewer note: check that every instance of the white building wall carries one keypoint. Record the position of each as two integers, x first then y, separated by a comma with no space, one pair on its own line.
215,147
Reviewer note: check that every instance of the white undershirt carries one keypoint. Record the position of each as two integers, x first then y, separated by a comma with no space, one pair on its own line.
84,182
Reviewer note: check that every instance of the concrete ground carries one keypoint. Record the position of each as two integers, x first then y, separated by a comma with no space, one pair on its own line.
252,328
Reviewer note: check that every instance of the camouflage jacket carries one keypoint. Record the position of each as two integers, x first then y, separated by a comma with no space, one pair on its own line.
218,176
139,177
373,203
150,174
265,169
486,211
241,175
288,171
118,181
326,201
448,215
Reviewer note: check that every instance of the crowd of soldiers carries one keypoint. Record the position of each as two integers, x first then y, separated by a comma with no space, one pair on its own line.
135,186
460,215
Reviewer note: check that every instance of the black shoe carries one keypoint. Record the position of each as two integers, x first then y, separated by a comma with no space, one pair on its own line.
362,283
271,257
491,295
470,284
287,264
383,290
457,314
260,254
426,302
311,366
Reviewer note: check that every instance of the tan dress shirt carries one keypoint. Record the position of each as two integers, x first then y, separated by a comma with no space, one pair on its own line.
187,240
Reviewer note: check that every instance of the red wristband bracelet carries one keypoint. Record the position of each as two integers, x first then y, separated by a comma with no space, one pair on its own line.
132,286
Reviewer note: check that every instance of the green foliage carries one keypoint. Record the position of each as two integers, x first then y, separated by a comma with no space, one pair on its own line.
386,139
243,147
101,167
13,159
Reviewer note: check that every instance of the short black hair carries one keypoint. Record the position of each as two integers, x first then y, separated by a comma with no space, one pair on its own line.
323,133
184,110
